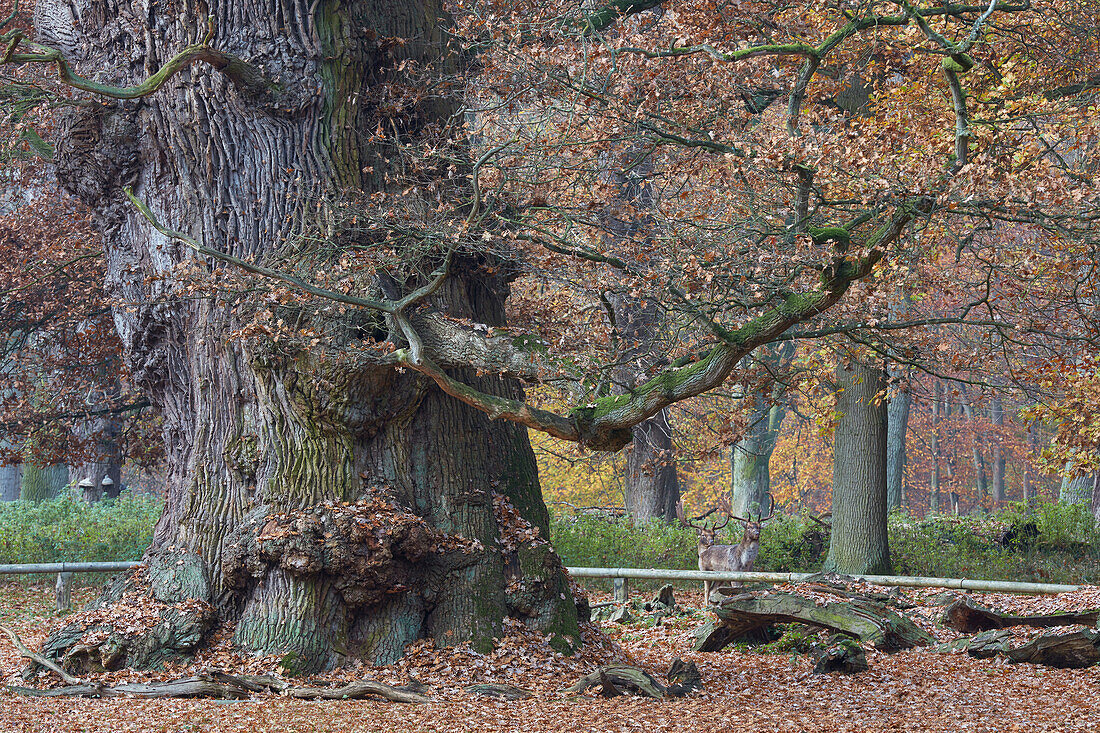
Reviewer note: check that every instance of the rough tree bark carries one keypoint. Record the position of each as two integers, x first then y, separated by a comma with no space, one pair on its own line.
329,507
42,482
858,542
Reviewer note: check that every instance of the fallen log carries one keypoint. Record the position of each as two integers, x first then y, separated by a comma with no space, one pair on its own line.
612,679
968,617
866,621
222,686
841,655
1065,651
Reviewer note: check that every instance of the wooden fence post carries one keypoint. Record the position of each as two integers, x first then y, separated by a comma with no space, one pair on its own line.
622,590
64,592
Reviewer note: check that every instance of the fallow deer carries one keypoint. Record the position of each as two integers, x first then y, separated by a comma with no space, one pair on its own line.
739,557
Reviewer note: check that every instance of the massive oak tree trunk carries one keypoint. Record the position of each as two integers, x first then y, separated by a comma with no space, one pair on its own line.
858,543
327,506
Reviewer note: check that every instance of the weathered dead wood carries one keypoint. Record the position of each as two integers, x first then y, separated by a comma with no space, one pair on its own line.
71,691
633,679
607,687
865,620
503,691
250,682
38,658
968,617
222,686
187,687
1065,651
989,643
683,677
356,690
841,655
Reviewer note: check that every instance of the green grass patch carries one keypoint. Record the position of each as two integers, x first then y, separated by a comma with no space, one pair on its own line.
66,529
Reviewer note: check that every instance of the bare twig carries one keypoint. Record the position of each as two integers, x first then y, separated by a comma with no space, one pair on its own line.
38,658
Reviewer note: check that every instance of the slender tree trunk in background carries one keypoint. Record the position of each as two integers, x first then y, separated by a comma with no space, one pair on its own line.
1029,470
1077,489
1095,504
934,484
897,417
858,542
651,486
981,482
896,434
106,459
269,445
997,415
750,457
41,483
11,481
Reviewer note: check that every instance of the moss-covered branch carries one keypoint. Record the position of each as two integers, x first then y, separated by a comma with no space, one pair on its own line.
246,77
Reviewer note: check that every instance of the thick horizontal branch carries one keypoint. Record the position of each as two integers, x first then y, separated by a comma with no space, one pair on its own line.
607,423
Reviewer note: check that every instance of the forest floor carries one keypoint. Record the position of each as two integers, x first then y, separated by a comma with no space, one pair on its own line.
744,690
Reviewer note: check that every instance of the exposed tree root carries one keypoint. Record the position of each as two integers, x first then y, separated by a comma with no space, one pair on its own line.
356,690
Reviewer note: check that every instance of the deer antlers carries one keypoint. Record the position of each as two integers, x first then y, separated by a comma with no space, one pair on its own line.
723,507
761,519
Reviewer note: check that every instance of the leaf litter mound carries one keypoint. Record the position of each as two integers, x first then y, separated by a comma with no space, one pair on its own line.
913,690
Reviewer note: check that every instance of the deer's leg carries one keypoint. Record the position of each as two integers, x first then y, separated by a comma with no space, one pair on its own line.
706,593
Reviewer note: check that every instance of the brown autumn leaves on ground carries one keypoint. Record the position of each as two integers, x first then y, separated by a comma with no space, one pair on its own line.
914,690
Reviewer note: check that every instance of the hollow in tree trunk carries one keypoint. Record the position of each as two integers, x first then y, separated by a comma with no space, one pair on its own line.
324,504
858,542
